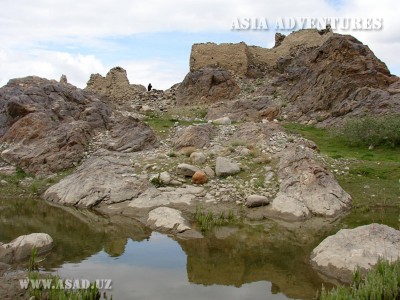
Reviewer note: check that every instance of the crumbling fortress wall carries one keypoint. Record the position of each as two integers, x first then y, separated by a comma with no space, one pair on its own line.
114,86
246,60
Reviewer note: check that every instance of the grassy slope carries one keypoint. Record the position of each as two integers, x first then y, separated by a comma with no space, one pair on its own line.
373,178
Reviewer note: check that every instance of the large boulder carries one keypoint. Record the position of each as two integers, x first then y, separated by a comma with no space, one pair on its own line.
102,179
197,136
307,188
21,248
47,125
339,255
205,86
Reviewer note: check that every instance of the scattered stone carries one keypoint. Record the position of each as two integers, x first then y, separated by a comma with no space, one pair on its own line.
186,170
21,247
199,177
8,170
225,167
256,201
198,157
222,121
339,255
245,152
167,219
210,172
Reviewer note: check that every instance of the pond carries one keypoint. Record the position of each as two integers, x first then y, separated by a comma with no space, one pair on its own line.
247,261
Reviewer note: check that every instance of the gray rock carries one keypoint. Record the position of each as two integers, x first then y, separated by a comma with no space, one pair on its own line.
153,197
197,136
21,247
130,135
307,188
7,170
339,255
225,167
167,219
222,121
186,170
209,172
198,158
102,179
256,201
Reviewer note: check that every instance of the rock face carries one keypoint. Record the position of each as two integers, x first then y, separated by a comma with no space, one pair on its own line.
339,255
197,136
104,178
225,167
341,76
115,85
307,188
21,247
167,219
131,135
47,125
206,86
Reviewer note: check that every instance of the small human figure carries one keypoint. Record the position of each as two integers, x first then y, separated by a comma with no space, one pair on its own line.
149,87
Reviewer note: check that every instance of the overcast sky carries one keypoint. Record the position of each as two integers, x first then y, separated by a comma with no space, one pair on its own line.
151,39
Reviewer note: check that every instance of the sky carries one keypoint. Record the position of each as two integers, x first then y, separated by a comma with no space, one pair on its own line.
152,39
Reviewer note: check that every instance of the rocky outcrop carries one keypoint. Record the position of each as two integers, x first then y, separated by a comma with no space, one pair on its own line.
341,76
339,255
306,188
102,179
114,86
21,248
47,125
205,86
153,197
255,110
130,135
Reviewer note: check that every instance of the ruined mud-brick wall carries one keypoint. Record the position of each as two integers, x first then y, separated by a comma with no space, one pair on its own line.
243,59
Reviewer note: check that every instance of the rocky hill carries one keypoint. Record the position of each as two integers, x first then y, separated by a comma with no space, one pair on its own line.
309,76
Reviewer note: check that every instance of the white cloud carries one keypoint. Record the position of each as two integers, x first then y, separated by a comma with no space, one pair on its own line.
25,26
48,64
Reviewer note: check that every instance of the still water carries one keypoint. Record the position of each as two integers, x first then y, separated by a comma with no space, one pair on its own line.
257,261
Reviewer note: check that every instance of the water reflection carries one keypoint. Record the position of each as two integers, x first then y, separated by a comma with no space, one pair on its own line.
246,262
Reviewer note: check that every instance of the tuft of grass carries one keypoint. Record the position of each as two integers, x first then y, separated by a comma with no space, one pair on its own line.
381,282
236,143
207,219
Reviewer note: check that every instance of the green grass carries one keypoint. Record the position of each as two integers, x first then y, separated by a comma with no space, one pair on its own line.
162,124
381,282
206,220
337,147
373,178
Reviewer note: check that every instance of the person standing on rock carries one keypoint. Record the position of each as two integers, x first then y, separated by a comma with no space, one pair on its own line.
149,87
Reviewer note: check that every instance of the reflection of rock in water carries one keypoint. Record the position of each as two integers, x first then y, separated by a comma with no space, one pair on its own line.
77,233
255,254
